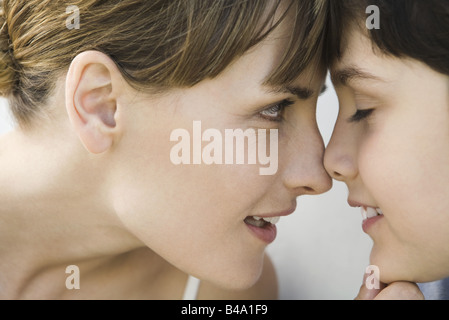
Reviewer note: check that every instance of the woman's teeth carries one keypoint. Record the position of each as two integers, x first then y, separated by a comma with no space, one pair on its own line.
261,222
272,220
368,212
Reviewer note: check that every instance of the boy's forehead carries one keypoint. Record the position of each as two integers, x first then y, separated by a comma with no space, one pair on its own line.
358,58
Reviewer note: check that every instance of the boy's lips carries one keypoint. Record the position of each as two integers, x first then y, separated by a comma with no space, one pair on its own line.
370,214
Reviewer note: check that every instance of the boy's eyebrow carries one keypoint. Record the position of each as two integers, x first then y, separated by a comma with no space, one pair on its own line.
343,76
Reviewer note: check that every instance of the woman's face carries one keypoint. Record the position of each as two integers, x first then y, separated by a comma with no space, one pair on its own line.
195,215
391,147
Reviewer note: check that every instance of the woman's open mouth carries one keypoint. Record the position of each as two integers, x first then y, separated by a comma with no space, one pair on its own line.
264,228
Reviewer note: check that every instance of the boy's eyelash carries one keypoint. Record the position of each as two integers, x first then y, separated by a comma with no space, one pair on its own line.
361,115
281,105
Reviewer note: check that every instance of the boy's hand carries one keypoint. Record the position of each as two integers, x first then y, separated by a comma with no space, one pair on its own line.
400,290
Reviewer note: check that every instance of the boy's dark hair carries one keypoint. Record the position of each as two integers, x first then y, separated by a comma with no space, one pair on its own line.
418,29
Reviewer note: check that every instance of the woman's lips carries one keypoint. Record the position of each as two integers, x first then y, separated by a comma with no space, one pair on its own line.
264,227
265,232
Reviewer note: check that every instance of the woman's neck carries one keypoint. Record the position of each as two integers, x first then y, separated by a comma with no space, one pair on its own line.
54,213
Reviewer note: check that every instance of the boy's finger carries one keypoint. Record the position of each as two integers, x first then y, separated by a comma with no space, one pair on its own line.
401,290
368,291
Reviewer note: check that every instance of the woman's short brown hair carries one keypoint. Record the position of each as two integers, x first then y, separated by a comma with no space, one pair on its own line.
418,29
156,44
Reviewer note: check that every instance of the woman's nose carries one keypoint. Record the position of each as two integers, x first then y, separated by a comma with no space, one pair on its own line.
304,172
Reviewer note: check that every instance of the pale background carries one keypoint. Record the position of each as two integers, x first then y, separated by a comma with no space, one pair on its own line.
321,251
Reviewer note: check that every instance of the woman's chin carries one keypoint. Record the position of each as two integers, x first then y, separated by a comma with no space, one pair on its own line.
237,280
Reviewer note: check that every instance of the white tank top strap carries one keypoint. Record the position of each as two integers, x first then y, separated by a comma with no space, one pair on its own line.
192,287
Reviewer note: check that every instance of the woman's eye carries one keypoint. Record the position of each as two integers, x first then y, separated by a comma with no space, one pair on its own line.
361,115
274,112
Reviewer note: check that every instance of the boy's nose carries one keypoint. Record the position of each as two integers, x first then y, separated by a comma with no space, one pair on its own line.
340,157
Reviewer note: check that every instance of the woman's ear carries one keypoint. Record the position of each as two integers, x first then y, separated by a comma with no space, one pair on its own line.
93,85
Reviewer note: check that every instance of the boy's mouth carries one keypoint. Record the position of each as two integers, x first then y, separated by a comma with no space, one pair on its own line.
368,212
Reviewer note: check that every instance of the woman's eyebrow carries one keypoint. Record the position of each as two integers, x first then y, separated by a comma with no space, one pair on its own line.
342,77
302,93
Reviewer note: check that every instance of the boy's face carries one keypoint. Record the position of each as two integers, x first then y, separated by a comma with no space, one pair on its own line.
393,155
